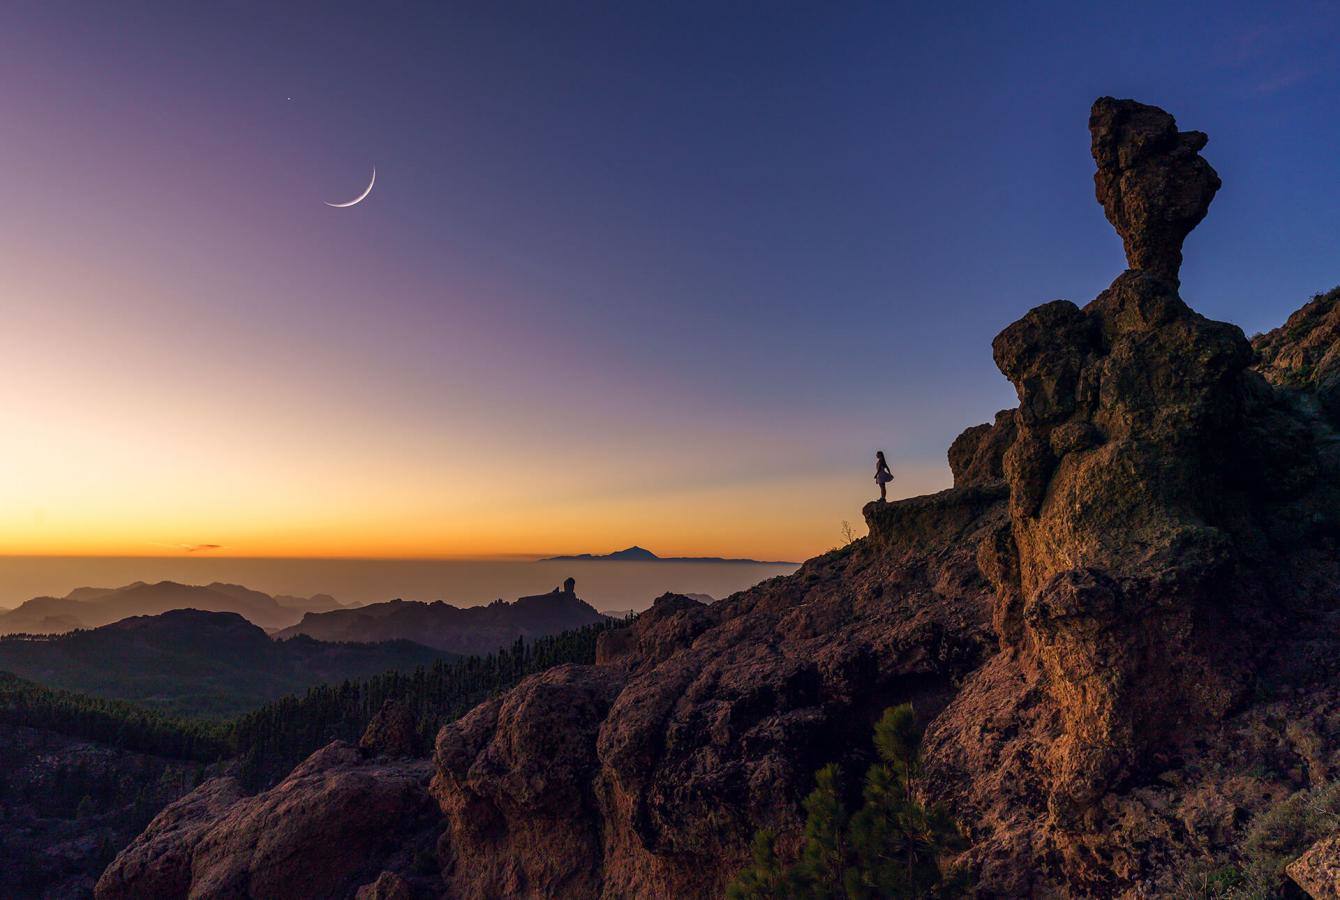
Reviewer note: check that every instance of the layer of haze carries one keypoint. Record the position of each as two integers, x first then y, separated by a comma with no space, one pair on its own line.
609,586
632,272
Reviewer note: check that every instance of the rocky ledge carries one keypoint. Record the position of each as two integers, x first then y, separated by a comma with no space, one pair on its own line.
1121,630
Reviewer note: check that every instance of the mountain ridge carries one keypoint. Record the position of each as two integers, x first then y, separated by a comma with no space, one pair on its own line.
93,607
195,662
463,630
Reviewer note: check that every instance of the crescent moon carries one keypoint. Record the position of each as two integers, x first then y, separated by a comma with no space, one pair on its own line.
361,197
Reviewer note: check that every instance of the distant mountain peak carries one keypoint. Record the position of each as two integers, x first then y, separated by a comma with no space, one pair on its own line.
642,554
634,552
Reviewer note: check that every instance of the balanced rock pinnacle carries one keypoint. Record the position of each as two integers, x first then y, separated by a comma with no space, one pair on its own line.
1151,180
1122,494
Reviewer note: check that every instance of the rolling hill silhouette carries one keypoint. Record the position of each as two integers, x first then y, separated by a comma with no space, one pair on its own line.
193,662
92,607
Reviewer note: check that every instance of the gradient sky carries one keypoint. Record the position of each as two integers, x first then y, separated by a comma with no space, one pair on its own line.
664,273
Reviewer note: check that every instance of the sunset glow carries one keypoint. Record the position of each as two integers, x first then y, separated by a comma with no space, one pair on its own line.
548,328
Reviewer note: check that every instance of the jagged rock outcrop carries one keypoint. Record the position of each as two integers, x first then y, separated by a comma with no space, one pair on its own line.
392,732
1142,577
1121,516
647,774
1121,626
1303,354
977,456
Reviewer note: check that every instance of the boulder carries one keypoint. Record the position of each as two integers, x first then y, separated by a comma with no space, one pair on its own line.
388,886
158,862
1318,870
514,780
977,456
323,831
393,731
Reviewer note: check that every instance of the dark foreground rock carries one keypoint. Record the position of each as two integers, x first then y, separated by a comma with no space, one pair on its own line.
1121,629
336,822
514,780
159,862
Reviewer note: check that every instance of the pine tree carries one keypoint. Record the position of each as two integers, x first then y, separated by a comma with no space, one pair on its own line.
823,858
765,879
892,847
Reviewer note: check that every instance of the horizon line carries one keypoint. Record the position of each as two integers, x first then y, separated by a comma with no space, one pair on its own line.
499,557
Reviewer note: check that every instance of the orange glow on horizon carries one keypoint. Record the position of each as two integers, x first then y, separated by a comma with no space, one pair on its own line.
136,430
754,521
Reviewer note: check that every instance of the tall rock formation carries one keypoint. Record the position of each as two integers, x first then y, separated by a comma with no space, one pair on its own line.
1122,517
1120,628
1170,519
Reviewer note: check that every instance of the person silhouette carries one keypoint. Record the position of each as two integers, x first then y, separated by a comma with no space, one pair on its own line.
882,475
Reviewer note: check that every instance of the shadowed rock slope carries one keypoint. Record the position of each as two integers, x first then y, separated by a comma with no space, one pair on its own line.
1120,627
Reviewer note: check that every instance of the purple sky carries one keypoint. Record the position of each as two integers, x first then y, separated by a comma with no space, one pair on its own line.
631,272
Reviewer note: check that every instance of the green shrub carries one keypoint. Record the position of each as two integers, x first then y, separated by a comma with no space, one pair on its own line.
1282,833
1211,880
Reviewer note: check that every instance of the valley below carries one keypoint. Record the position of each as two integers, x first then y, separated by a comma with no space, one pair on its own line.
101,728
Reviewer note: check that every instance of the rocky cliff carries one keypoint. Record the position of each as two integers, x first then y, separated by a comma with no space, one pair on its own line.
1120,628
